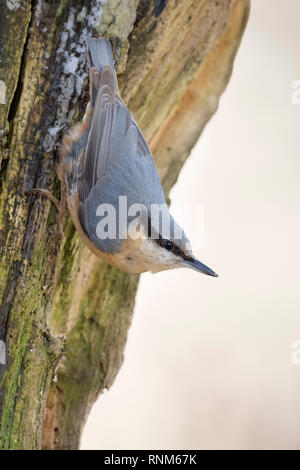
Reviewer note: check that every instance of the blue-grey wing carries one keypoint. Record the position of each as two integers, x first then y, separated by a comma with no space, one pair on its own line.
118,162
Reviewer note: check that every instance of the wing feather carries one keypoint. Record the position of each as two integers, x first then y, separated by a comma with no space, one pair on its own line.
118,161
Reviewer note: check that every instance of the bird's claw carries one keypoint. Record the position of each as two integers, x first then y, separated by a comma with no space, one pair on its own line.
60,206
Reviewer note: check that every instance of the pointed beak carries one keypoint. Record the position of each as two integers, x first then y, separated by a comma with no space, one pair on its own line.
200,267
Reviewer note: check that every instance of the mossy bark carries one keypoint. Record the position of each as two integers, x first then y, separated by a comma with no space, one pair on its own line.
64,314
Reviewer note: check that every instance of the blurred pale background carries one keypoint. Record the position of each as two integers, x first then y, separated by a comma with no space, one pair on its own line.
208,361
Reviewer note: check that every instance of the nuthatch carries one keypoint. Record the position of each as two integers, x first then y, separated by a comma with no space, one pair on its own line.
105,157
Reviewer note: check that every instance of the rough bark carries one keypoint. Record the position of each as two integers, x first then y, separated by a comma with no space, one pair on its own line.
64,314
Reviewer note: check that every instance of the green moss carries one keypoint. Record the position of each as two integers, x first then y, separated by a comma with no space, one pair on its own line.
61,8
13,30
69,264
94,347
116,24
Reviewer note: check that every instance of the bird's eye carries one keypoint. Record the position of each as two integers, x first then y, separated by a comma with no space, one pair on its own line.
168,245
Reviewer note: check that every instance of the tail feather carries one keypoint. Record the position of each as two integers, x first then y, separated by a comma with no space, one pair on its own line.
99,56
100,53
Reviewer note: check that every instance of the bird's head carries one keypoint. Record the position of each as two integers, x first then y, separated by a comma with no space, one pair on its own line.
158,243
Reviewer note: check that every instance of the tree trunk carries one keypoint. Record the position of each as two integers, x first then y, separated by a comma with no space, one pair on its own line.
64,314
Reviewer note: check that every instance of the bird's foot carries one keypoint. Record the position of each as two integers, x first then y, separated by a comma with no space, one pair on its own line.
46,193
61,207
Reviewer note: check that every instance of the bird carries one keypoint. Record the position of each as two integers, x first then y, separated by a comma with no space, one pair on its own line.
105,162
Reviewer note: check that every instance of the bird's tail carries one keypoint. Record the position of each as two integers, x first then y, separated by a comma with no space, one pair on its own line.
100,56
100,53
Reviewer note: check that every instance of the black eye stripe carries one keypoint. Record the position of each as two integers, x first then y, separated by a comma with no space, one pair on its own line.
160,241
175,249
